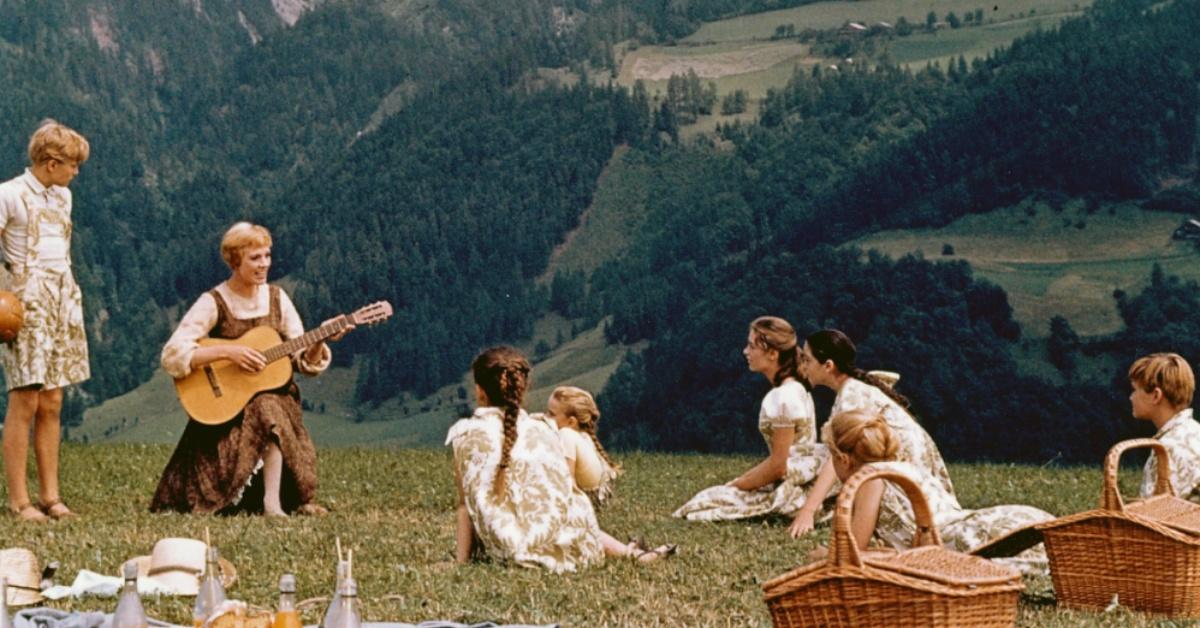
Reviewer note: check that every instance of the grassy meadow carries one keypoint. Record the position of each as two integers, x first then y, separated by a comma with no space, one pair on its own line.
394,507
738,53
1063,261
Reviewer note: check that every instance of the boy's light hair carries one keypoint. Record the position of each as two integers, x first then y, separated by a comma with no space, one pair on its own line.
238,238
1168,372
59,142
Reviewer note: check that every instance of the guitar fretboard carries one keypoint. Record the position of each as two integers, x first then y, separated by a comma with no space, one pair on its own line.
310,338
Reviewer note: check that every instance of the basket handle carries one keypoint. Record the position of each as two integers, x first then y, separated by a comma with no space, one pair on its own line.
1110,498
843,549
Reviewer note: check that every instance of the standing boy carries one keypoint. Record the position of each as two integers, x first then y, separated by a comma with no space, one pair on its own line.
1163,385
50,352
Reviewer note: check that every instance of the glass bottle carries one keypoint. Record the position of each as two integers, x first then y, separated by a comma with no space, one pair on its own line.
348,614
5,620
212,592
286,616
129,613
335,605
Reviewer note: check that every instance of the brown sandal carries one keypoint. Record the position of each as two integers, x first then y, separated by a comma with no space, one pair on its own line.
56,509
28,512
653,554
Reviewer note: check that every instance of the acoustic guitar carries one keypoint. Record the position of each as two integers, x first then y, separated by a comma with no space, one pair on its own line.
216,392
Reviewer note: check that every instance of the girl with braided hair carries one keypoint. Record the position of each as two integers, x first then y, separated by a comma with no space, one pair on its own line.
827,359
882,512
575,413
781,482
517,500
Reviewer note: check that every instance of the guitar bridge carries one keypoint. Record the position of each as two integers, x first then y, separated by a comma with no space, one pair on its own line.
212,380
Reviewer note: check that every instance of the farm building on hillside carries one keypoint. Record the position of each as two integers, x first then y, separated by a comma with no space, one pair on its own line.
1189,230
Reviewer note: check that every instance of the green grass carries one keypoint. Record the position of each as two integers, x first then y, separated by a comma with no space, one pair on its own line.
1057,262
395,508
826,15
946,45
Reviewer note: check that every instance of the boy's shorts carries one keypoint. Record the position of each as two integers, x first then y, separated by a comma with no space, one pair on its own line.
51,349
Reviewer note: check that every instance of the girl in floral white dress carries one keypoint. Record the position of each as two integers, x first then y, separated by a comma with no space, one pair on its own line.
574,411
827,359
787,421
882,511
517,500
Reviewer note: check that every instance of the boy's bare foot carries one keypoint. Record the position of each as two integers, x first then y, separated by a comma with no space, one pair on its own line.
28,512
57,509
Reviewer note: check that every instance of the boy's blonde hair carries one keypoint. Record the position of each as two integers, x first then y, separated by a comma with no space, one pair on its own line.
580,404
1168,372
59,142
240,237
864,436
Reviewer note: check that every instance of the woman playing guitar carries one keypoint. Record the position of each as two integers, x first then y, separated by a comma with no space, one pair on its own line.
216,468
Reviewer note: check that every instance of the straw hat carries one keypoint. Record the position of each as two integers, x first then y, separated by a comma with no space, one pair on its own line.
20,566
178,564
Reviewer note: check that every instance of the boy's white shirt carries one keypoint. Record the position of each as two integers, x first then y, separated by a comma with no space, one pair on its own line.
1181,436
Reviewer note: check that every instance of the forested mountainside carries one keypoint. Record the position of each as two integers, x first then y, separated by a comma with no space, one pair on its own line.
1099,108
409,151
202,113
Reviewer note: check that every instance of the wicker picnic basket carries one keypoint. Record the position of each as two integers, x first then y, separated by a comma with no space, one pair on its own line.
926,585
1144,555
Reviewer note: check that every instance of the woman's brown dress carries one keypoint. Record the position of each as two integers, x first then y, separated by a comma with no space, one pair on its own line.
215,467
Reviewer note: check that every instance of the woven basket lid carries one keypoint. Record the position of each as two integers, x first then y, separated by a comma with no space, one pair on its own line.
927,567
1162,512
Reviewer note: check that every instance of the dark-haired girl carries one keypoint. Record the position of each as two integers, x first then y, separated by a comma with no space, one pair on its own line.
827,359
787,422
517,500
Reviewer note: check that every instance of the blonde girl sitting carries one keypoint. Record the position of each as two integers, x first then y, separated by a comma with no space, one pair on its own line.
883,514
575,413
517,501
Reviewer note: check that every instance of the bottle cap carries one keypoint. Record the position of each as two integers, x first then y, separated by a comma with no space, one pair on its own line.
131,570
349,588
213,554
287,583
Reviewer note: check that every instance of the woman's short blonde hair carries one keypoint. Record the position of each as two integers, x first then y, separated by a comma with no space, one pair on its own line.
238,238
1166,371
58,142
864,436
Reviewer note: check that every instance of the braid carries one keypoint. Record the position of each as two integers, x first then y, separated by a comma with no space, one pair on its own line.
512,392
503,374
589,428
887,389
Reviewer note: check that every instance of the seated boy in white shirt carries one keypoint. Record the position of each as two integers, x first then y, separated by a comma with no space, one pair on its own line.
1163,385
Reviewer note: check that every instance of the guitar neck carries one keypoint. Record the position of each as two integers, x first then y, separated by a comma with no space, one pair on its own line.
310,338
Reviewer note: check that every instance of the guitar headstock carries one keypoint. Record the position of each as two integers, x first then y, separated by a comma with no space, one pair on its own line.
371,314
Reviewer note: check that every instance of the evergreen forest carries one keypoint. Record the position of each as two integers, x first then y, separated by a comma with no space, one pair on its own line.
412,151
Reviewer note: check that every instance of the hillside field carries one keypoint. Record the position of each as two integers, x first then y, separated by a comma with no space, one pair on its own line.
1052,262
394,507
738,53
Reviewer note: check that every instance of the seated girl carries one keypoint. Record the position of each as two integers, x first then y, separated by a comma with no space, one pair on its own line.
575,413
827,359
781,482
883,513
517,500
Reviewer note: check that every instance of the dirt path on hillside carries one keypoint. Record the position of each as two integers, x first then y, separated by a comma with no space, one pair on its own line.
562,247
